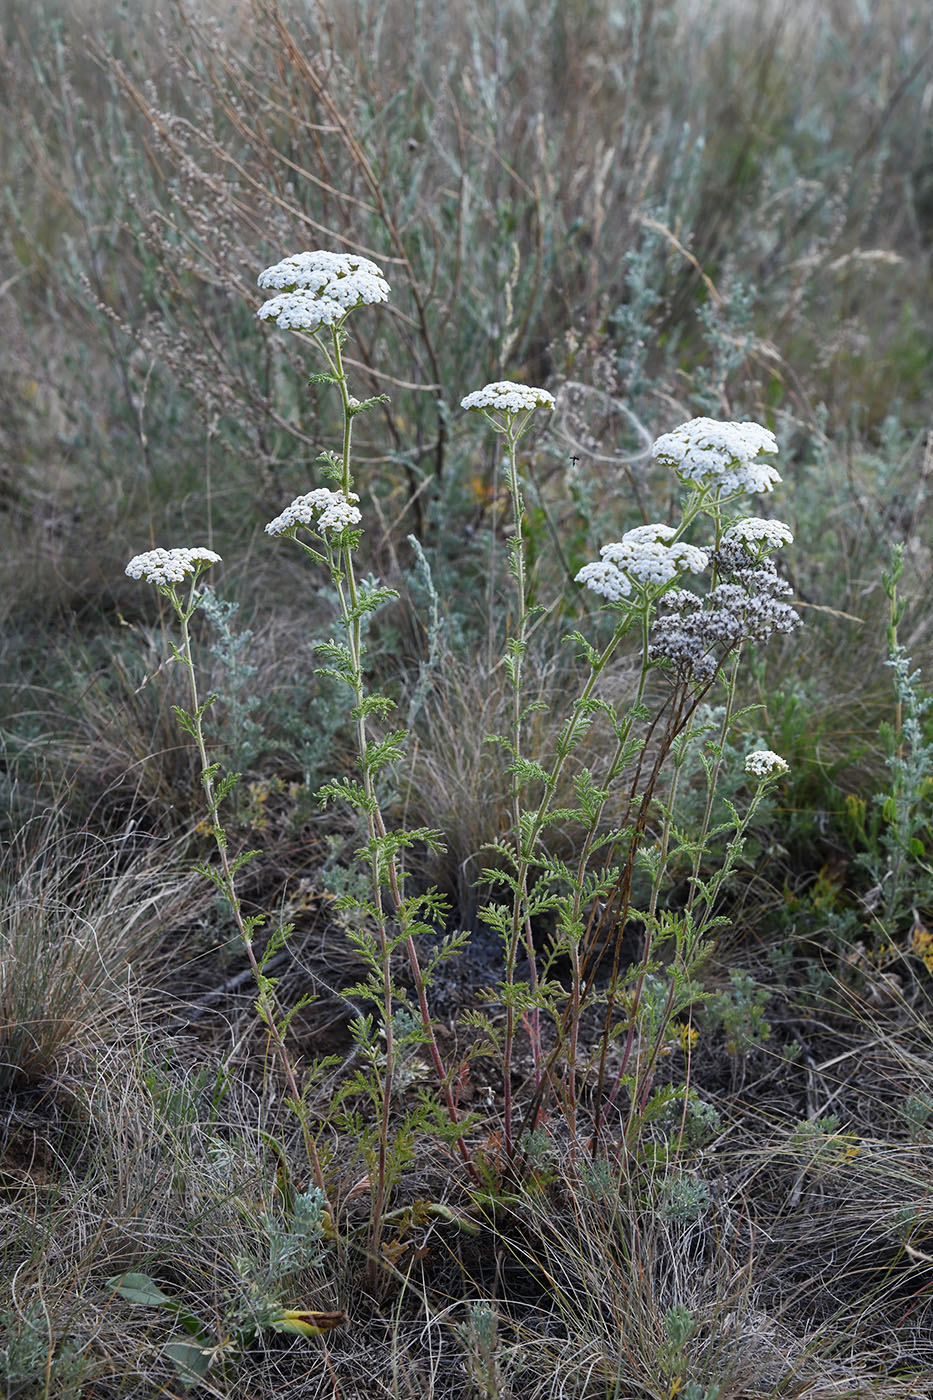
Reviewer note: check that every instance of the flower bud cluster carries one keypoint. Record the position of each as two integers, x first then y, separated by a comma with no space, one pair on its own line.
319,289
644,557
695,633
719,454
170,565
505,396
321,510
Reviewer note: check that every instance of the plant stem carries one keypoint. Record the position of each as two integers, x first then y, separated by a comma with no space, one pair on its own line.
521,920
352,621
265,1002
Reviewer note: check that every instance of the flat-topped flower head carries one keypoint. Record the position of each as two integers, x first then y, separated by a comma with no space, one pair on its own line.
321,511
315,271
319,289
720,454
765,763
758,536
166,566
604,578
505,396
643,557
649,534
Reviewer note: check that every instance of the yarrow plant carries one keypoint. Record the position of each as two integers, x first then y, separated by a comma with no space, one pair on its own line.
166,568
319,290
691,636
508,407
687,639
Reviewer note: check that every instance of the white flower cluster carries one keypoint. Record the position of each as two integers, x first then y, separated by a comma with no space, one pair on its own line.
725,455
170,565
319,510
759,535
319,289
644,557
504,396
765,763
606,580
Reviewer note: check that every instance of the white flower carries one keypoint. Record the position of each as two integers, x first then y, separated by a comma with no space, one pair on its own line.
688,557
765,763
505,396
316,270
319,289
301,311
604,578
170,565
759,535
319,510
726,455
646,557
642,556
650,534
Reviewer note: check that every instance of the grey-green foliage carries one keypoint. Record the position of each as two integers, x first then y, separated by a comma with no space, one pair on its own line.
479,1338
295,1243
740,1011
243,735
684,1198
727,330
899,837
918,1115
907,807
679,1327
695,1390
693,1127
35,1356
909,803
436,632
646,262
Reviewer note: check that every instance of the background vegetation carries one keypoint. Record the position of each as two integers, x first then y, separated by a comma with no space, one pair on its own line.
655,210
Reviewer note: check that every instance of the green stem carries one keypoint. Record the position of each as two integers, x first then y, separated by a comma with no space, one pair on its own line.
714,776
577,990
265,1002
521,920
684,955
375,821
